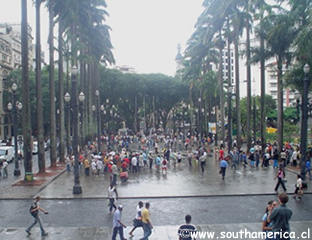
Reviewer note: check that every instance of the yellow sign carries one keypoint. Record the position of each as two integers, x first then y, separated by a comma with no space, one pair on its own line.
271,130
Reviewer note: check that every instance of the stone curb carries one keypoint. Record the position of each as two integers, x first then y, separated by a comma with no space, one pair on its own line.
155,197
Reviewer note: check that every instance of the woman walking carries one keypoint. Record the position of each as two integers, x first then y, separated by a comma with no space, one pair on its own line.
280,178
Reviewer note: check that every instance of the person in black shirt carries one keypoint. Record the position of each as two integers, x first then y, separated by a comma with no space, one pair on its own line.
185,230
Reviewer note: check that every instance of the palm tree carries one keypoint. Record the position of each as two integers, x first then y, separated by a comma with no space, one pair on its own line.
61,93
88,36
53,155
41,150
248,72
238,23
263,9
278,45
26,100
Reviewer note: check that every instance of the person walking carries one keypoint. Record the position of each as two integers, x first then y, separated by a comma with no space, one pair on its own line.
150,158
117,224
137,222
68,163
223,166
86,164
280,217
146,221
34,211
5,169
298,190
275,159
280,178
203,161
134,164
115,172
112,197
164,166
189,158
186,229
308,168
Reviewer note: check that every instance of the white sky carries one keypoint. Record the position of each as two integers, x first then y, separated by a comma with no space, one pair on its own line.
145,33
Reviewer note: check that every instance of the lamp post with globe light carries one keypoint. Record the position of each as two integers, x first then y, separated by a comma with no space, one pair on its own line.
304,121
15,106
81,98
97,94
77,188
67,122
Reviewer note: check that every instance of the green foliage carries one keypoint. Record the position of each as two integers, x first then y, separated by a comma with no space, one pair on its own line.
270,106
15,76
121,89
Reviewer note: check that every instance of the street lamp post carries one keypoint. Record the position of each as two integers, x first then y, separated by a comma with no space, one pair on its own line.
199,116
97,94
67,124
102,108
304,121
77,188
230,119
254,120
16,105
81,100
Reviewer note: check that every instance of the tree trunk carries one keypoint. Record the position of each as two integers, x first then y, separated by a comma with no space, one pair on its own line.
41,150
262,100
135,114
248,133
229,97
280,103
237,96
26,101
221,92
52,91
61,94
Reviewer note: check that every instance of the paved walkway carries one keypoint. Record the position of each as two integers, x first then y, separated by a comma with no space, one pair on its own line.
159,232
180,181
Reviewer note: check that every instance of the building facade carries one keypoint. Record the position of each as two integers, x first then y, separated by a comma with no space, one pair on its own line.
10,59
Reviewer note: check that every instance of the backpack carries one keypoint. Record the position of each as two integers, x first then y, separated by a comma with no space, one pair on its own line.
33,213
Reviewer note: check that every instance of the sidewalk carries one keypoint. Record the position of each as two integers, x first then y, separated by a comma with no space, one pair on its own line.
17,188
184,181
159,232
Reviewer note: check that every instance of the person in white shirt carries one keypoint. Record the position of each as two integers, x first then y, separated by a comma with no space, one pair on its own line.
298,191
93,167
99,166
293,159
114,173
112,195
134,163
137,222
5,169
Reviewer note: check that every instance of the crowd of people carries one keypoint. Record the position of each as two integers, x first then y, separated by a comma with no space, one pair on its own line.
134,154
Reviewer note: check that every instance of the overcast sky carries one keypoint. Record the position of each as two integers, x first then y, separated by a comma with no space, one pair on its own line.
145,33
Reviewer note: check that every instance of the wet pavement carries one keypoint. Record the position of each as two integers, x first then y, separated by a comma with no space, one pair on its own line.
164,211
215,231
180,181
12,188
236,203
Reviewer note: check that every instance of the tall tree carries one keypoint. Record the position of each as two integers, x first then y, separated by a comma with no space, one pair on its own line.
40,134
248,77
61,92
279,45
26,100
53,155
263,9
